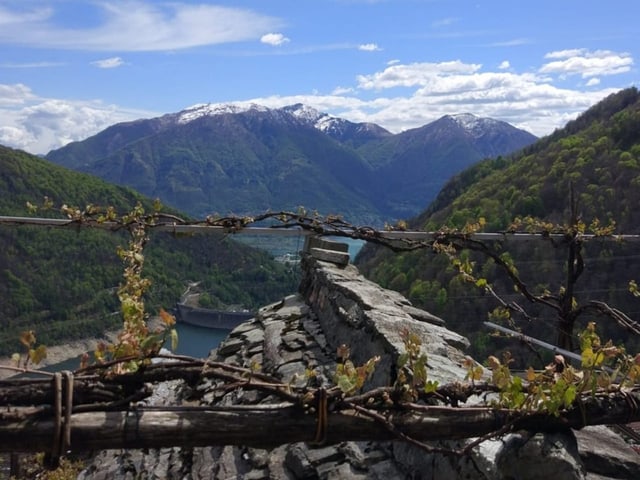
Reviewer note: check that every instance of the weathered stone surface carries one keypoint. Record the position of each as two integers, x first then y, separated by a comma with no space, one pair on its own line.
230,346
339,258
243,328
301,332
423,315
372,320
605,453
276,467
254,337
298,463
318,242
540,457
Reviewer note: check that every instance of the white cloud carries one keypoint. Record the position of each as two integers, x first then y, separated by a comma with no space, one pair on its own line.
9,18
413,74
431,90
112,62
15,137
16,94
398,97
369,47
515,42
275,39
32,65
504,65
138,25
38,125
342,90
587,63
574,52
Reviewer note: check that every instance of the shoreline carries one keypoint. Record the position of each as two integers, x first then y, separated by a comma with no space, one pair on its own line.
60,353
66,351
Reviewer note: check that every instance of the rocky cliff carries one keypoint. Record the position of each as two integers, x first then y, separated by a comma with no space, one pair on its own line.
335,305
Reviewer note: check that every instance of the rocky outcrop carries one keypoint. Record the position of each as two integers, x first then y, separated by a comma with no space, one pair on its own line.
301,333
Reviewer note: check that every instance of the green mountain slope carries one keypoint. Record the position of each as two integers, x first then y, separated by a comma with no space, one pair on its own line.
220,159
62,282
239,164
599,154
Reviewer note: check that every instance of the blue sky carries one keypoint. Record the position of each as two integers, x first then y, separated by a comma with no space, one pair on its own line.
69,69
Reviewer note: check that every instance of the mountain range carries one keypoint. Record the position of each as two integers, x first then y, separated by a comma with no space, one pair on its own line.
227,158
247,159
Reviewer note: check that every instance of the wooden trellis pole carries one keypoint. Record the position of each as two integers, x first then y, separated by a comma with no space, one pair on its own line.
267,426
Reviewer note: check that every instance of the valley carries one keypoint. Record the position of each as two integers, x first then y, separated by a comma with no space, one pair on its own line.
589,170
282,158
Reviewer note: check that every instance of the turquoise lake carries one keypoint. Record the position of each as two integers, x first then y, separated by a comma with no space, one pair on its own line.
192,341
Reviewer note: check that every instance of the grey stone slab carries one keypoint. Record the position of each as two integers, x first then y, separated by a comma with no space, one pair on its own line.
253,337
331,256
230,346
541,457
423,315
605,453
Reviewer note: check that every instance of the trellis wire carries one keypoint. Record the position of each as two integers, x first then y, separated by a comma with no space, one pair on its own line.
215,229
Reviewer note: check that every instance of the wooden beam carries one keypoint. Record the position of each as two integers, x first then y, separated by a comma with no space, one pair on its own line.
268,426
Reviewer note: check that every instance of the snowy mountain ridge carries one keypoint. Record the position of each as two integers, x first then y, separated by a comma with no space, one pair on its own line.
475,126
307,115
240,157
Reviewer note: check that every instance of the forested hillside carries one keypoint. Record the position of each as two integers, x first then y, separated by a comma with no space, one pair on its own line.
62,282
237,164
598,154
227,159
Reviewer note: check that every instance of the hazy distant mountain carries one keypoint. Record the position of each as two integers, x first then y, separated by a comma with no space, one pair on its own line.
412,166
248,159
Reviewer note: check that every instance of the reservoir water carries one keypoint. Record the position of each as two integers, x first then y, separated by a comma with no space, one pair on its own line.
192,341
354,245
197,341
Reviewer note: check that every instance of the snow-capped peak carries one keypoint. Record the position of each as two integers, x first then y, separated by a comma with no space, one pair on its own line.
472,124
299,113
210,109
304,112
311,116
466,120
